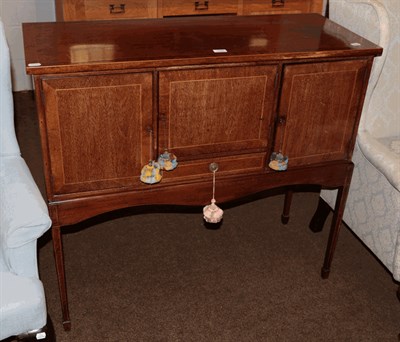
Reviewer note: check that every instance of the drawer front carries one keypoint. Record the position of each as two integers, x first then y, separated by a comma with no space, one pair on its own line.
119,9
201,7
259,7
240,164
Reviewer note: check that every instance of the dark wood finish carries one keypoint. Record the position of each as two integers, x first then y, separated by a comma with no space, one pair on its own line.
112,45
336,224
319,218
286,207
327,95
203,110
90,120
230,187
60,269
114,94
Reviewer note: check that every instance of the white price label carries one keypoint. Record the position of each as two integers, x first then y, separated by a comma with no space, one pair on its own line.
220,50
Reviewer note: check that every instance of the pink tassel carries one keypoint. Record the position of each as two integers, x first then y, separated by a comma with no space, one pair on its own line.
212,213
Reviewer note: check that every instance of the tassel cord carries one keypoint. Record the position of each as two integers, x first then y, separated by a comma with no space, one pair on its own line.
213,196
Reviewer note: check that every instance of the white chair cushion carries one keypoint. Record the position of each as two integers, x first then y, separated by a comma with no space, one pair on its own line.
22,304
23,212
8,140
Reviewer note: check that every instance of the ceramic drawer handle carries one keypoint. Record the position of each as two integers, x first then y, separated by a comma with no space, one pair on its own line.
213,167
114,9
278,3
198,6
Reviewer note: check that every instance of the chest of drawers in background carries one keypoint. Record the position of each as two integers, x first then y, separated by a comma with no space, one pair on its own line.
74,10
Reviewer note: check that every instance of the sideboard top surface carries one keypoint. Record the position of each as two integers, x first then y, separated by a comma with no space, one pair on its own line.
58,47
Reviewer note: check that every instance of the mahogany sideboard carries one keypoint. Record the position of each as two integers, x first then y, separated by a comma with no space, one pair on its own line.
112,95
70,10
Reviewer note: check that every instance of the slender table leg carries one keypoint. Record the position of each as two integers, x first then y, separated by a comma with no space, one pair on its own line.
62,286
286,207
321,214
335,228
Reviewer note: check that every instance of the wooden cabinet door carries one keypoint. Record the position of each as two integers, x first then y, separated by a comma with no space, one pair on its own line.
216,112
319,111
97,130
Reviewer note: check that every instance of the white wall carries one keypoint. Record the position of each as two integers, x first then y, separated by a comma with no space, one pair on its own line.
13,13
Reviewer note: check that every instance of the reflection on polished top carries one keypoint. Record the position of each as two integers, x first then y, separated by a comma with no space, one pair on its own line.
94,45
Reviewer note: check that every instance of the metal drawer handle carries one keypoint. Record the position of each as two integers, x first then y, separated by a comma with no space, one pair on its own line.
278,3
117,9
201,6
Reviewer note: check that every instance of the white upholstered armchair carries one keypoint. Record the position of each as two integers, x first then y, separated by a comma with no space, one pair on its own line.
23,219
373,205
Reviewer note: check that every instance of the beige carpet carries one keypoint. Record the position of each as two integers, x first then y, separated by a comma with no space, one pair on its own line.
136,275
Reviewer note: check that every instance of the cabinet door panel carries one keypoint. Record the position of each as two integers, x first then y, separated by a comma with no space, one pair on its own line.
319,106
221,111
97,130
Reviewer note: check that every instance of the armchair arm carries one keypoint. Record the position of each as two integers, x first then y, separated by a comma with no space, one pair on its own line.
23,213
386,161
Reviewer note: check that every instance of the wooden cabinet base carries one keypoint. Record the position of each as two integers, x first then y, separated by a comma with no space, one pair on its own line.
335,175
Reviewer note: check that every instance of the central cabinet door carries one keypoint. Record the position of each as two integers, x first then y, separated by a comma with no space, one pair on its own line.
213,113
98,130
